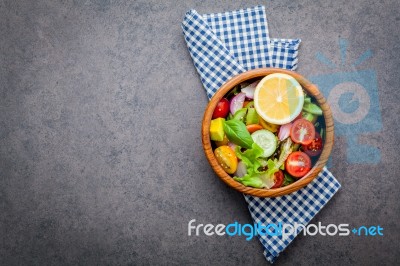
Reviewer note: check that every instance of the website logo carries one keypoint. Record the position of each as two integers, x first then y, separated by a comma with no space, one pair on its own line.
282,230
354,100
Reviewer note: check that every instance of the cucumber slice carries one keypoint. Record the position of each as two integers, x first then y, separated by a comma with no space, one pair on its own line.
266,140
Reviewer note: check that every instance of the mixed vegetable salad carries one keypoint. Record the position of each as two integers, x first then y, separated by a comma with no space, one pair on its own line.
261,154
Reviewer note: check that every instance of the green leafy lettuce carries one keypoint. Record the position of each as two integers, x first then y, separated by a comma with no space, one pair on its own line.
263,178
255,177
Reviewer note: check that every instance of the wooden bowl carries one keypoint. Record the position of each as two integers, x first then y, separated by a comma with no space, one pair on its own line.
311,90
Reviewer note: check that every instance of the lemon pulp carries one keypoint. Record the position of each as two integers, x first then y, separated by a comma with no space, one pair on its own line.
278,98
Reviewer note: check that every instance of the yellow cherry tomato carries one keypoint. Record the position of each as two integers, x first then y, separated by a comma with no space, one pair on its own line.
226,157
222,142
268,126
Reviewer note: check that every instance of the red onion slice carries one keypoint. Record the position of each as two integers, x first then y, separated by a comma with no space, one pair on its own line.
237,102
241,169
284,131
232,145
249,90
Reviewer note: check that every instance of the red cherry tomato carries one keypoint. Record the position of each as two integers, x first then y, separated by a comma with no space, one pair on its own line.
302,131
315,147
298,117
222,109
298,164
278,176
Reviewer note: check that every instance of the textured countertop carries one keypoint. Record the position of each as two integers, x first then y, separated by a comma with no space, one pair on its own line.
100,153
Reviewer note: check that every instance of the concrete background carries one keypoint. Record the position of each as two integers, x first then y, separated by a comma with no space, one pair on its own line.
100,152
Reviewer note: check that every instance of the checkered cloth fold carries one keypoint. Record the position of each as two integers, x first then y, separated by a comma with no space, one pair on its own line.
223,45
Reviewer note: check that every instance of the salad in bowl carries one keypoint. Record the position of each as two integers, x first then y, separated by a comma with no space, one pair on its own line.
267,132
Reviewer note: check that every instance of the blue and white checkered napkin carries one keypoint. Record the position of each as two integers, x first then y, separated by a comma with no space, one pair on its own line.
223,45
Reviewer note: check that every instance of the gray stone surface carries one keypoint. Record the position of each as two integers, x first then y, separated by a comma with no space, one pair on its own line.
100,152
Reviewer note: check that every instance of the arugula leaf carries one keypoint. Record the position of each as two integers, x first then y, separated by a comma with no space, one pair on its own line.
233,92
237,132
286,149
288,180
275,165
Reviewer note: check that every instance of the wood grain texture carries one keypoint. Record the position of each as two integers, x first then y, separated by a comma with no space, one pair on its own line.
311,89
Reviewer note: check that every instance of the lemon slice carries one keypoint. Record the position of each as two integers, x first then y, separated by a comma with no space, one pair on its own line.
278,98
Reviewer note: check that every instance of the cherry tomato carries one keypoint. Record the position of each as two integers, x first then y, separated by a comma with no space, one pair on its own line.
226,157
278,176
298,117
222,109
253,128
222,142
298,164
315,147
302,131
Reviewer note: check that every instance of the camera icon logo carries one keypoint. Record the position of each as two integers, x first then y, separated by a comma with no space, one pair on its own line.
354,100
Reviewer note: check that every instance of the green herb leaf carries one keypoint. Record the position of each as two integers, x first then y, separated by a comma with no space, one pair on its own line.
233,92
237,133
288,180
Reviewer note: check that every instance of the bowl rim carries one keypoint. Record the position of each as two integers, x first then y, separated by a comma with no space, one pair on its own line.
311,89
